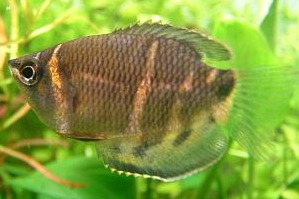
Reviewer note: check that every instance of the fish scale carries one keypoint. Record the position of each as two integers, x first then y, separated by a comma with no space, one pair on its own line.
144,94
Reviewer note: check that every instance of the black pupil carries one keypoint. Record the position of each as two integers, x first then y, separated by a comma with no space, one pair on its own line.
28,72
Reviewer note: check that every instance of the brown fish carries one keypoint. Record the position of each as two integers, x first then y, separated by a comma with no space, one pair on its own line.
143,92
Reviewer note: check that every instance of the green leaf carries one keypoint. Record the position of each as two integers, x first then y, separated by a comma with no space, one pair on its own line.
290,194
99,181
249,46
269,24
264,88
292,139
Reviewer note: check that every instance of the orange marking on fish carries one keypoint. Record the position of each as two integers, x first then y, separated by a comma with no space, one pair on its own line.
143,89
59,93
56,79
220,111
54,74
212,76
187,83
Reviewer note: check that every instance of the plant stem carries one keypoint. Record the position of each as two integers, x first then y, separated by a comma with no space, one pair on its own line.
40,168
220,188
285,160
149,193
3,48
16,116
38,142
250,184
204,189
14,31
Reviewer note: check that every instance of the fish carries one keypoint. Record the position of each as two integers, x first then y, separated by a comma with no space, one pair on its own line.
148,98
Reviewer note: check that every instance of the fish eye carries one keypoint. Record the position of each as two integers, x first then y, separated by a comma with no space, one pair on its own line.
29,73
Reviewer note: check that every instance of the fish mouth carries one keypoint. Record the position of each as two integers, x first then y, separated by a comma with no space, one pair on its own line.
13,63
14,67
15,72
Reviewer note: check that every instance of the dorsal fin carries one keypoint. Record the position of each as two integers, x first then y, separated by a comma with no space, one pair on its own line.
201,42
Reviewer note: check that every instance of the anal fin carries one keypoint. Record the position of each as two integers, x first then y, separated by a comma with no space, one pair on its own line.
176,156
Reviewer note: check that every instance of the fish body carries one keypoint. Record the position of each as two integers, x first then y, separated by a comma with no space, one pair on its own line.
144,93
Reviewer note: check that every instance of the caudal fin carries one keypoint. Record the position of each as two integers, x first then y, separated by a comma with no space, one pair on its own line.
260,102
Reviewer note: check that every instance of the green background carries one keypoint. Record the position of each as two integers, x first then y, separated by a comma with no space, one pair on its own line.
269,31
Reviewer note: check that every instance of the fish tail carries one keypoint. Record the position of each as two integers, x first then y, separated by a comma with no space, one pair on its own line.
260,102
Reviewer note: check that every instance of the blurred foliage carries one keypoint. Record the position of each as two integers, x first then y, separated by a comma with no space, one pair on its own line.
30,25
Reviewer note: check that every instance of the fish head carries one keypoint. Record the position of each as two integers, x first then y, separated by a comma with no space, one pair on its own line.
27,70
32,77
